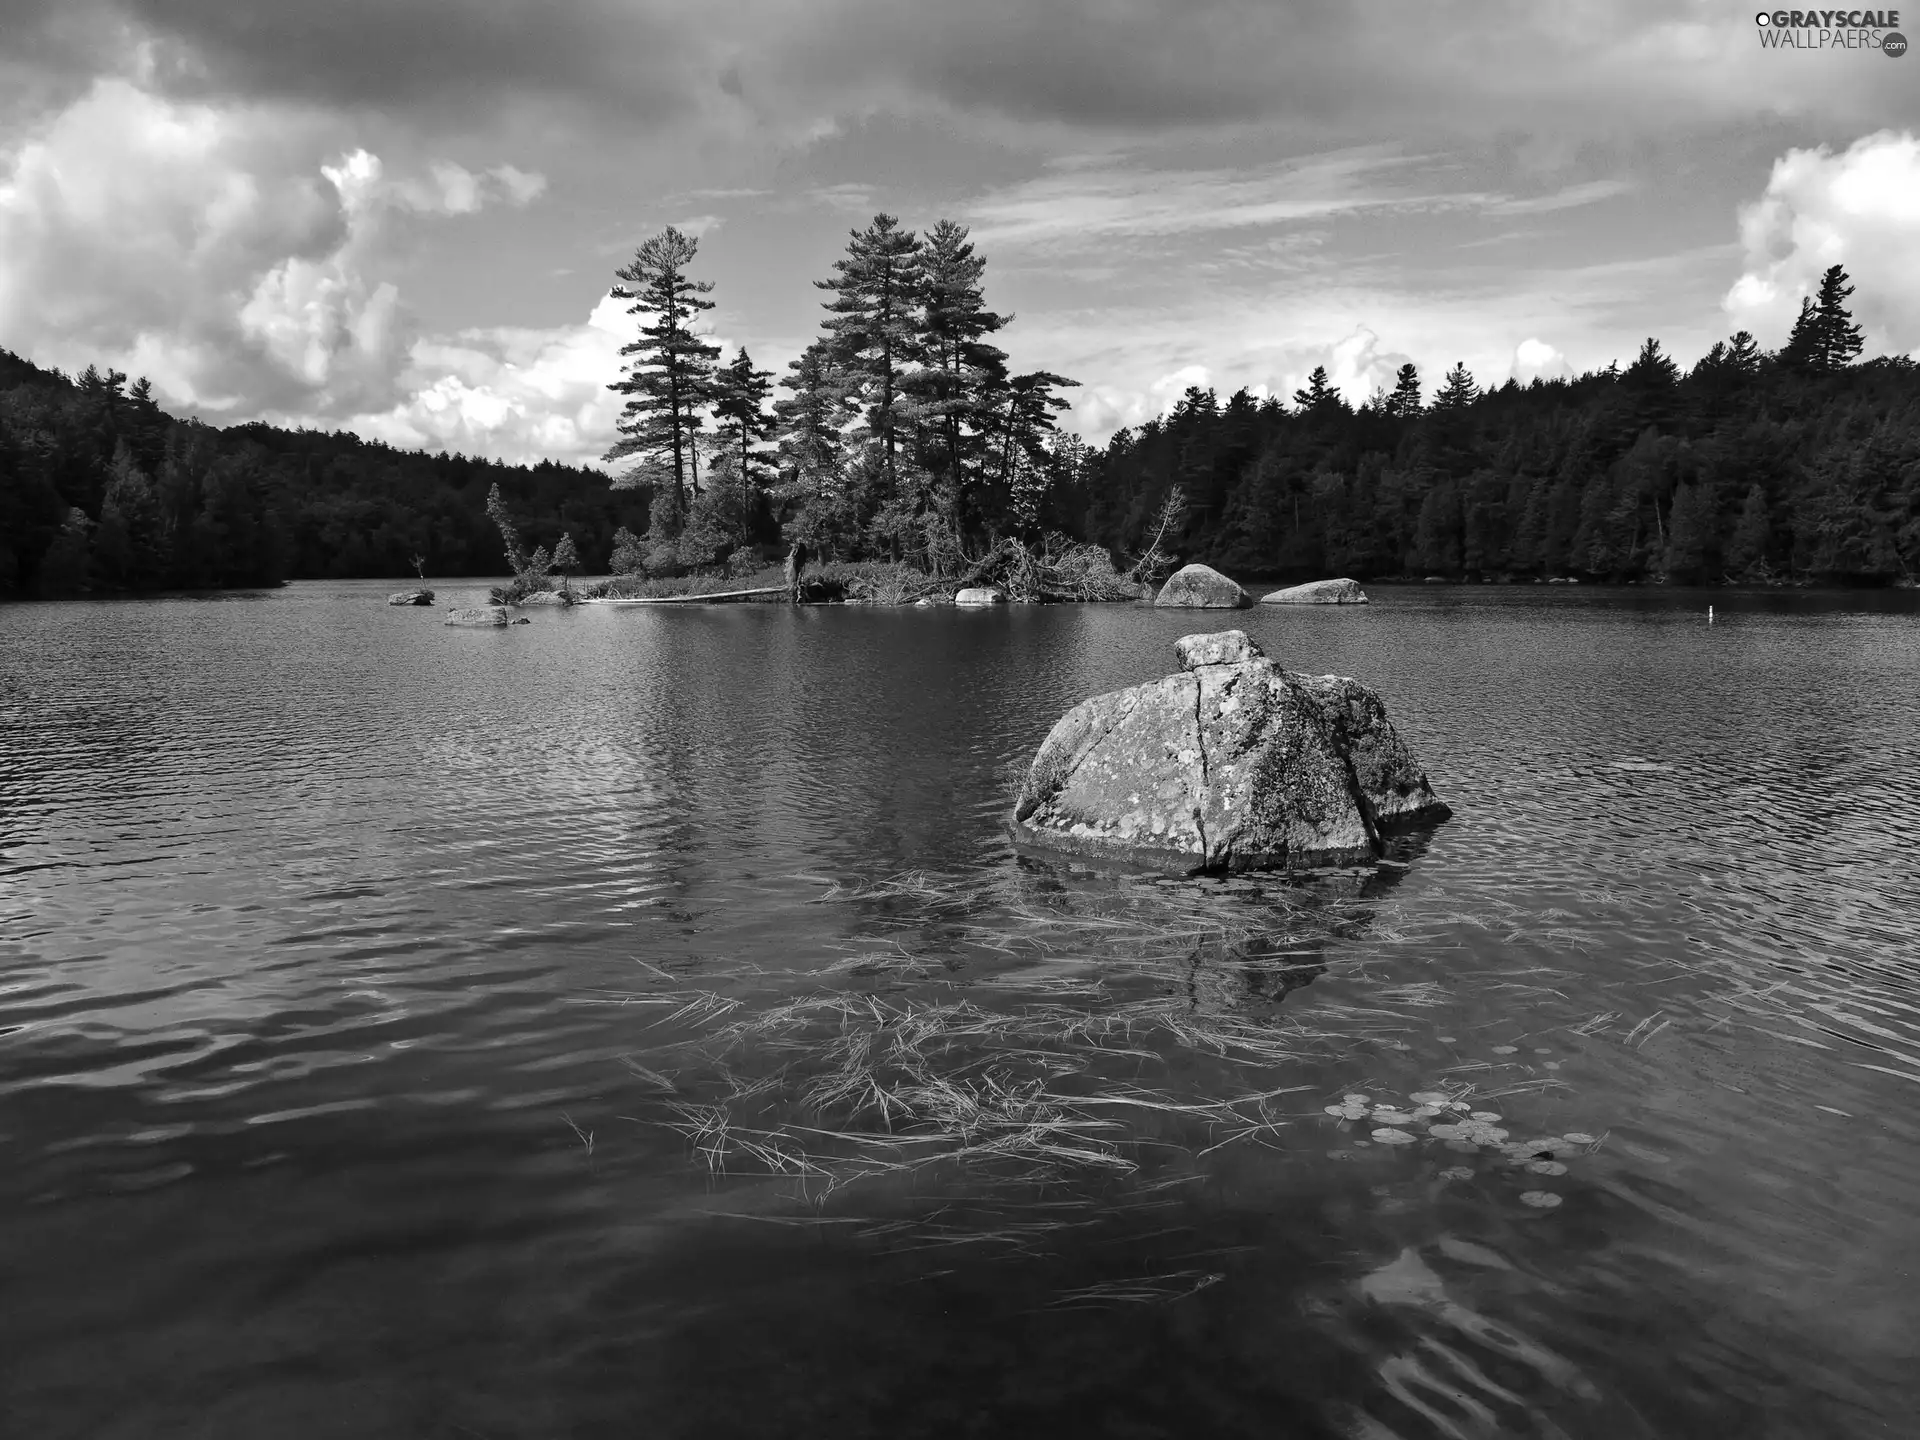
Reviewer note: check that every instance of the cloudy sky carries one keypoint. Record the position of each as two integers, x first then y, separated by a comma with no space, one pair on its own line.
401,216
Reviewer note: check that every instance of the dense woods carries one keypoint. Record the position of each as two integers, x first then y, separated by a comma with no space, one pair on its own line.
101,491
902,433
1800,466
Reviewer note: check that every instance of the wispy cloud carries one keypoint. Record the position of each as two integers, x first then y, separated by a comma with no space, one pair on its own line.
1590,193
1090,203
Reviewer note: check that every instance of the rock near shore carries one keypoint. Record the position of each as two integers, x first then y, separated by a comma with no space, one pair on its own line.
981,595
482,617
1318,592
1201,587
1232,764
410,597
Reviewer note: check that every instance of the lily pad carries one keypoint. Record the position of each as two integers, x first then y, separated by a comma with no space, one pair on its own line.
1506,1049
1546,1167
1575,1137
1540,1199
1387,1136
1429,1097
1392,1117
1447,1132
1487,1116
1457,1172
1356,1099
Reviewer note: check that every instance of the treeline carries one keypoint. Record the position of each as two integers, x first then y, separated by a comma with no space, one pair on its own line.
1752,467
101,491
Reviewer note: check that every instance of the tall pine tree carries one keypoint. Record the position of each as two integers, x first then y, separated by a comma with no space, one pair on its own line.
961,370
740,405
874,325
669,379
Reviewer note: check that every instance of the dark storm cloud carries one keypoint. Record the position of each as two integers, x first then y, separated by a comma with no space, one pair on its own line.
1139,65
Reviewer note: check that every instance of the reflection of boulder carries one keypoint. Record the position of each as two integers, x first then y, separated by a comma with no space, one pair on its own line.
1201,587
1224,981
1232,764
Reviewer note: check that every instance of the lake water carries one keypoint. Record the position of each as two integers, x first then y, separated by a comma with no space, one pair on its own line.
638,1023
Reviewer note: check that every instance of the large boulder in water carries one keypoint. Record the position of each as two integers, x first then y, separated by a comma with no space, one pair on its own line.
480,617
1318,592
1232,764
410,597
1201,587
546,597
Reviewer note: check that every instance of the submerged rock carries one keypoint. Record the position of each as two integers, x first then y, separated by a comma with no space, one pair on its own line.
481,616
1232,764
1319,592
1201,587
981,595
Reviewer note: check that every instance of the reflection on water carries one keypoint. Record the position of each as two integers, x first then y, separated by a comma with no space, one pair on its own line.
639,1023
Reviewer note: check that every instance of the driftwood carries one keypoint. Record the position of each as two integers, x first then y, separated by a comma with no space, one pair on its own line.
690,599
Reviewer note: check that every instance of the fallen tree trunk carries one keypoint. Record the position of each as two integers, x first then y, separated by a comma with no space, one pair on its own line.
691,599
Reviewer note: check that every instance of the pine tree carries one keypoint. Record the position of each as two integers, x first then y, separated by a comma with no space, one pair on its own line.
1457,392
1837,340
740,405
1801,352
1320,400
1652,369
961,369
1026,423
809,426
1743,354
669,378
873,322
1405,401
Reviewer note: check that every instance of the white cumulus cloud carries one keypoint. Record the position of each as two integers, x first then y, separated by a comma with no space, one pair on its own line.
1859,208
1537,360
230,253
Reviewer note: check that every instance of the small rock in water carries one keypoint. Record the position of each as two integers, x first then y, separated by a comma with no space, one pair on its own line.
1540,1199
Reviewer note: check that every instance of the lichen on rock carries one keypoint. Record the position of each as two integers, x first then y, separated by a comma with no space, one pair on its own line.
1231,764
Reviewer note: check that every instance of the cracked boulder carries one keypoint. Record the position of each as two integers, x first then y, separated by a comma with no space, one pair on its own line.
1232,764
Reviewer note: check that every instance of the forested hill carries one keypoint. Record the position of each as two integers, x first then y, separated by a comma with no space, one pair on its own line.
1751,468
102,491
